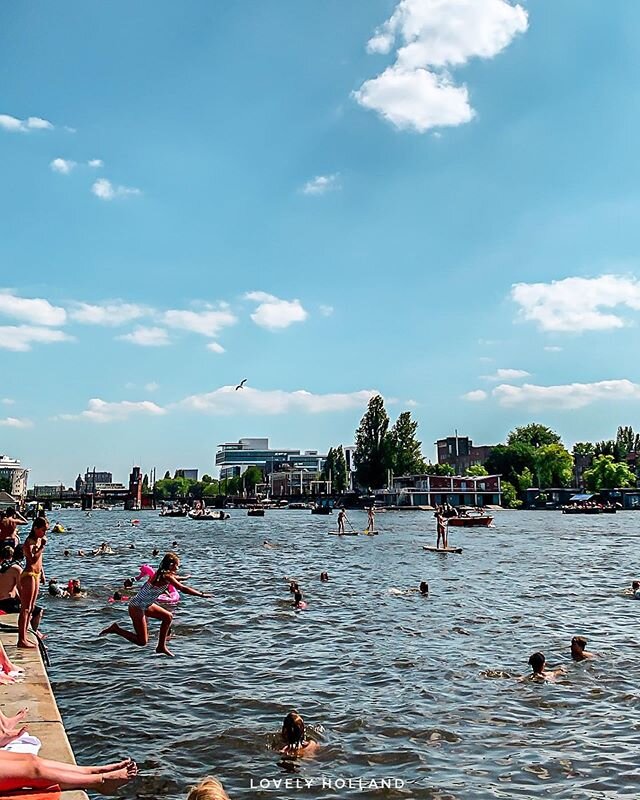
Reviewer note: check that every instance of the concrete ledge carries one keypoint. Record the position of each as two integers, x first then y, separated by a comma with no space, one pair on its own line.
35,693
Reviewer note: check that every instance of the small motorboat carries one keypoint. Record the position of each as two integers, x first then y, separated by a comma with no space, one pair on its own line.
173,512
208,515
470,521
322,509
255,512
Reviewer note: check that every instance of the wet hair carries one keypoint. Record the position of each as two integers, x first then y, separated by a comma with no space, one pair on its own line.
536,662
324,576
127,583
635,585
7,552
293,587
208,789
38,524
66,553
298,596
580,641
293,729
117,596
424,587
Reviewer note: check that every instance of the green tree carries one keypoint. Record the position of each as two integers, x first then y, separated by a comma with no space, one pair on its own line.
145,484
441,470
627,442
509,495
207,479
6,485
524,480
534,435
252,476
210,489
329,468
372,446
553,466
404,449
606,473
607,448
510,461
583,449
340,477
476,471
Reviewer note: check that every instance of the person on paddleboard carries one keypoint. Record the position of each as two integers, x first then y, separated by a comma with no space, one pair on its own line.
341,519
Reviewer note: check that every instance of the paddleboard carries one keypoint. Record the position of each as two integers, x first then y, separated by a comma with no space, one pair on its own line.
335,533
433,549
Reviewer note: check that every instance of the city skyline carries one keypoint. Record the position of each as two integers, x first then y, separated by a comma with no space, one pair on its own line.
441,213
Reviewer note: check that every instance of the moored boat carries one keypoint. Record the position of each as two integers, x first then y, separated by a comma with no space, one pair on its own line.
255,512
208,515
470,521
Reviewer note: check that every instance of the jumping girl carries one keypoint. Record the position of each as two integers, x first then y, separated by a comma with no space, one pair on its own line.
144,605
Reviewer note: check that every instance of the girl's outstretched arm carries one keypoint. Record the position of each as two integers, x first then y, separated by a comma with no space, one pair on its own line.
186,589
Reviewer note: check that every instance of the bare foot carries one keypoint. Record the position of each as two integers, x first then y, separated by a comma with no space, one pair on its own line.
164,651
9,735
4,678
26,645
124,764
109,629
112,781
11,722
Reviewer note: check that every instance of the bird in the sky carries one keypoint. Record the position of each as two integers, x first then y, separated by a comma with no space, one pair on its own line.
241,384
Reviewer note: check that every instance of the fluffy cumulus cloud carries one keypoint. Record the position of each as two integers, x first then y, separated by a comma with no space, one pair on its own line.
215,347
15,125
577,304
430,37
147,337
507,375
95,163
226,400
321,184
62,165
273,313
568,396
476,396
14,422
20,338
109,313
34,310
106,190
207,322
102,411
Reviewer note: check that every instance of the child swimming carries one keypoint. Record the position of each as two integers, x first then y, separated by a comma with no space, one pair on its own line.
293,737
578,652
144,605
538,662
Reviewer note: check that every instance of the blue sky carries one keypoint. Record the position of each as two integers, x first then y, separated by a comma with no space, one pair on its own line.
326,199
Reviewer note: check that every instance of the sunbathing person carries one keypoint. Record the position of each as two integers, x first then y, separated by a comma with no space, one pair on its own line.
25,771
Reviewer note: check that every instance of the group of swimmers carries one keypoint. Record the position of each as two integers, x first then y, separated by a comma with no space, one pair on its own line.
538,663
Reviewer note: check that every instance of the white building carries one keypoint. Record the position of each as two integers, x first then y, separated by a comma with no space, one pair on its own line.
12,471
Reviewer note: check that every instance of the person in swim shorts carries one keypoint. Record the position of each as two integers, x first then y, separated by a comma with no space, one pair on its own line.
31,578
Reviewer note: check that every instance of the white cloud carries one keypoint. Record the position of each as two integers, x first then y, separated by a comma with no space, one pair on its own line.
62,165
576,304
102,411
95,163
15,125
215,347
14,422
109,313
326,311
152,387
207,323
226,400
8,401
507,375
146,337
105,190
33,310
476,396
321,184
552,348
565,396
416,91
412,403
19,338
273,313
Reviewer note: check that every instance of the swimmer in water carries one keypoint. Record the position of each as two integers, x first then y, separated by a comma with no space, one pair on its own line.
156,552
143,605
424,588
66,553
267,543
298,600
537,662
578,652
293,737
208,789
293,587
324,576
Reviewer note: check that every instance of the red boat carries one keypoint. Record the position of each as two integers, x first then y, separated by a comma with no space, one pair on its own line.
470,521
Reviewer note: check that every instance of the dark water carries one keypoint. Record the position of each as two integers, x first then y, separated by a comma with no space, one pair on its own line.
392,686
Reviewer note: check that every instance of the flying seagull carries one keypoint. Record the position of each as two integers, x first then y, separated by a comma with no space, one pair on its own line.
241,384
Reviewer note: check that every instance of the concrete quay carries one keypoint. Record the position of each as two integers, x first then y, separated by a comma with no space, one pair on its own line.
34,692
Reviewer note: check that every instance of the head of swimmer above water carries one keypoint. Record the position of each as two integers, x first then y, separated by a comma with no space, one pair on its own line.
537,662
578,646
424,587
635,585
293,729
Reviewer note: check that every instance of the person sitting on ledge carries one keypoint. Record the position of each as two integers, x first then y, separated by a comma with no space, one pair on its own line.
578,652
25,771
295,743
208,789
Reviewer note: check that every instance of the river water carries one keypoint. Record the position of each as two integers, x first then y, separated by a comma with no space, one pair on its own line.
413,689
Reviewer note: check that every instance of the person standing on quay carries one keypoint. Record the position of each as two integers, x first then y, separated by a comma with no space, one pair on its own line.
31,578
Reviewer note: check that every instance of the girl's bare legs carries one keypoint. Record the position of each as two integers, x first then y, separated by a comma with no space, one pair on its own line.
141,635
166,618
5,664
19,770
28,588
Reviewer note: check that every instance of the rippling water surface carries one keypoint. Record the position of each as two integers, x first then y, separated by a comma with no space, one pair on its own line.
392,685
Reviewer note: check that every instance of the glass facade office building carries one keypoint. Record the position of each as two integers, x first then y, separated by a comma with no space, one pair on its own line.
233,458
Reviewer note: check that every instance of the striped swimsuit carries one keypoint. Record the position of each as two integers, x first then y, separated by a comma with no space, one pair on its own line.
146,596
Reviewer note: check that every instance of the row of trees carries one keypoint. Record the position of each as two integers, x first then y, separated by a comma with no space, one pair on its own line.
178,488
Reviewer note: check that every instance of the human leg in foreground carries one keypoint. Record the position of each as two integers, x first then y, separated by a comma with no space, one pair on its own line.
29,585
21,770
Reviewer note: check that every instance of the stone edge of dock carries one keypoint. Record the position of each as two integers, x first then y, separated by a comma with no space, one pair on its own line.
35,693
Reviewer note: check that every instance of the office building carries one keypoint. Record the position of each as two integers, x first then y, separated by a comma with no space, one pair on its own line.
14,477
460,453
234,458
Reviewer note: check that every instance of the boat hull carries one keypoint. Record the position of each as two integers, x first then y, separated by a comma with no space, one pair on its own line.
470,522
